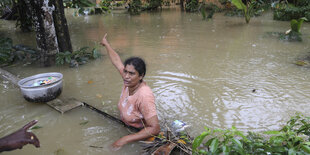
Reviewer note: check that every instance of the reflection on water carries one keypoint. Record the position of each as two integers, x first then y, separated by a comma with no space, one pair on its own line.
219,73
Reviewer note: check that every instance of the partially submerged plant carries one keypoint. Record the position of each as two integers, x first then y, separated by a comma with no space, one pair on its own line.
296,24
246,8
212,9
6,46
10,53
288,10
78,57
192,6
293,138
249,8
294,34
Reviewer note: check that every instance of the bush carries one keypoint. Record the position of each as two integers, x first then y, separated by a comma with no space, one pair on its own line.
293,138
288,12
78,57
134,7
10,53
191,6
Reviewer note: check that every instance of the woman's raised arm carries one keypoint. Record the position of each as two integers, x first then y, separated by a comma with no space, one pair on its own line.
114,57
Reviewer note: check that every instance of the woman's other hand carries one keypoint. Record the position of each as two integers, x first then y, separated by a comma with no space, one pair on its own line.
19,138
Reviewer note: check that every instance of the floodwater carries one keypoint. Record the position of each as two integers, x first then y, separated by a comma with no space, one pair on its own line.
218,73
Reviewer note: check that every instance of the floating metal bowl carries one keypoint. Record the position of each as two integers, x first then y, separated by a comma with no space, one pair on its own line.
41,93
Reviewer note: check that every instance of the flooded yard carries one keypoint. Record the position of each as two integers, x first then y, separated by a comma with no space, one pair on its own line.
218,73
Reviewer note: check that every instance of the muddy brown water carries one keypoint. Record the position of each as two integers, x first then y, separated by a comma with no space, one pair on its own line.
201,72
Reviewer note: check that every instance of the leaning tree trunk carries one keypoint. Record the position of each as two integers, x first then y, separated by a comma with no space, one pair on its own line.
42,17
61,27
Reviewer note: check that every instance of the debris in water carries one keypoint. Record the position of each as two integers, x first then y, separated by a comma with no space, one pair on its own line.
99,95
178,126
83,123
168,142
95,146
36,127
301,63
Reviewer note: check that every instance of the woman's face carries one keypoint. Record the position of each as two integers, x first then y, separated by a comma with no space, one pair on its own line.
131,76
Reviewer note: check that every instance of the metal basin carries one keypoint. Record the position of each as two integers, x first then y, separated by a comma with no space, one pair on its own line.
41,87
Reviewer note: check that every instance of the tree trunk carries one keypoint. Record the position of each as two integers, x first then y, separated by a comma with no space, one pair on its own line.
182,5
24,16
45,31
61,27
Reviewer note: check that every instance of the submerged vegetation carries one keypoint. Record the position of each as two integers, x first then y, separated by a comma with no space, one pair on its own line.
134,7
85,7
250,8
293,138
283,10
76,58
294,33
10,54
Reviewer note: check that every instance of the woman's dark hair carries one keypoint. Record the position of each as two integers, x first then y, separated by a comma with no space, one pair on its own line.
138,63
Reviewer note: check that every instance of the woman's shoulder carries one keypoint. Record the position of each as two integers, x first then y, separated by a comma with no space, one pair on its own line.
146,88
146,95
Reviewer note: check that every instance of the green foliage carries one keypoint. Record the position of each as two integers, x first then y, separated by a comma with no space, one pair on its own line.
6,48
296,24
78,57
286,11
63,57
301,2
85,7
294,33
239,4
10,53
154,4
118,3
106,5
293,138
4,4
191,6
78,3
166,3
135,7
247,9
198,140
210,7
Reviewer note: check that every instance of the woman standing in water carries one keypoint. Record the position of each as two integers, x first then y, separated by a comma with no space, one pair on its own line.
137,103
